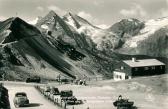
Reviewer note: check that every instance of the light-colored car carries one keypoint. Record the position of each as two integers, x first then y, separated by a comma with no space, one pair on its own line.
47,90
53,92
20,99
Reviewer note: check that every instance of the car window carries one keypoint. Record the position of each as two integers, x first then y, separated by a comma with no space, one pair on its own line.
20,94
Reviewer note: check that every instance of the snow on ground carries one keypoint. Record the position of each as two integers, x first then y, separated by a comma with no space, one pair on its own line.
33,22
45,27
150,28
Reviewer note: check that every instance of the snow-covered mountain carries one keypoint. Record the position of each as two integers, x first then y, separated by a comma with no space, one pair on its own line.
98,36
26,50
78,46
33,22
150,28
73,47
151,40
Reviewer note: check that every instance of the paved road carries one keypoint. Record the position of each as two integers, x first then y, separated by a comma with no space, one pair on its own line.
37,101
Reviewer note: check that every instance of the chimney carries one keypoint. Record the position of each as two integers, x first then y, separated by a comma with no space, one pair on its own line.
133,59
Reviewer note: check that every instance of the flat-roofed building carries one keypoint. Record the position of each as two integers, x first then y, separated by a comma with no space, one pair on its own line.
134,68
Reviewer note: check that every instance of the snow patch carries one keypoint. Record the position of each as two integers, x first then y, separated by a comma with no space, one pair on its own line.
130,20
33,22
150,28
45,27
71,22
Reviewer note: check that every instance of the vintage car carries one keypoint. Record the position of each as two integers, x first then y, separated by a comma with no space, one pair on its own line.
67,96
123,103
53,92
47,90
33,79
20,99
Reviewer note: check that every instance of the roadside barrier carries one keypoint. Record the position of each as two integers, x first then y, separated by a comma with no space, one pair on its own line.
56,99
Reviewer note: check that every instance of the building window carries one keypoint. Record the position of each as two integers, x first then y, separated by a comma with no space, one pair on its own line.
116,76
136,69
122,67
146,68
153,68
161,67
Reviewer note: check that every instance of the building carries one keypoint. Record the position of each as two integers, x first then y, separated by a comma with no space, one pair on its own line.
134,68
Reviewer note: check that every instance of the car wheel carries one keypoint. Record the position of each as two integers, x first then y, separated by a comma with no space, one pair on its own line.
27,101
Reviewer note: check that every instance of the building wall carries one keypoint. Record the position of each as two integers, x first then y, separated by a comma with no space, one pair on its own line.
119,76
126,68
138,71
148,71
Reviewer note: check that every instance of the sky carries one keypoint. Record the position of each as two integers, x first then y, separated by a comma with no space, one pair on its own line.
99,12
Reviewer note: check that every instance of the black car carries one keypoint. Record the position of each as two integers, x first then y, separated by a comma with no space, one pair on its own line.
33,79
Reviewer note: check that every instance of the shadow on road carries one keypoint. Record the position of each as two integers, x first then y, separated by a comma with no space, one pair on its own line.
33,105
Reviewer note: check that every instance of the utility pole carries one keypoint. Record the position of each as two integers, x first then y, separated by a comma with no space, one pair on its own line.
59,78
3,76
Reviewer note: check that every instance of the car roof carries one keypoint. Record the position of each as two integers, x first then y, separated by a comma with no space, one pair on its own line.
66,91
20,93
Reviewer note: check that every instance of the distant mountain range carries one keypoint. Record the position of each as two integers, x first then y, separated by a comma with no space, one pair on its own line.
73,47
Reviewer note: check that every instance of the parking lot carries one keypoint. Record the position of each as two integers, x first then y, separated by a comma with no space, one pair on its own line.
37,101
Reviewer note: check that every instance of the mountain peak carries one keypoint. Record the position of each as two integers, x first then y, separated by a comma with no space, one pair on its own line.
49,18
71,20
15,28
52,13
70,14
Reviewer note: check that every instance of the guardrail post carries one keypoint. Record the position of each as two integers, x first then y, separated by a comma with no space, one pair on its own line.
65,105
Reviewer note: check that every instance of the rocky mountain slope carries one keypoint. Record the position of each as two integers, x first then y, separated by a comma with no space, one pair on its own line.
51,49
78,47
151,40
23,46
73,47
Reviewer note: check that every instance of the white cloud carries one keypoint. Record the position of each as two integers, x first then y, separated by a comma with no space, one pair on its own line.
89,17
98,3
134,11
164,11
39,8
86,16
57,10
92,19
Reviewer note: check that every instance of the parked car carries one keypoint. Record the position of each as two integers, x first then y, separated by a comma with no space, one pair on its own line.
53,92
33,79
20,99
47,90
121,103
67,96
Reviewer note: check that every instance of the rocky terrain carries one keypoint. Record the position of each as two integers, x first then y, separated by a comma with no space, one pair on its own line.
73,47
